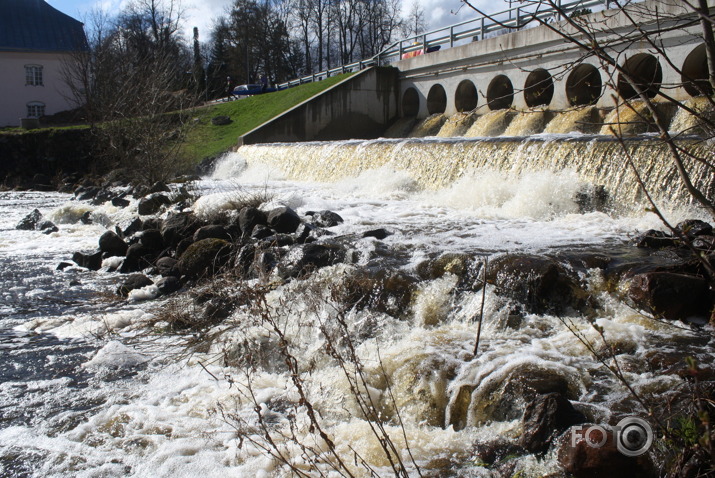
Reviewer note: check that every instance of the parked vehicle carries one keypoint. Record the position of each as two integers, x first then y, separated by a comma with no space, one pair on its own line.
251,89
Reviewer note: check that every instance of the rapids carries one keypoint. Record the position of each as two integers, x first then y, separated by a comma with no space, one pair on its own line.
92,385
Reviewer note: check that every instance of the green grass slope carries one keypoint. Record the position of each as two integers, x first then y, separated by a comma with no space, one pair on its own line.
206,140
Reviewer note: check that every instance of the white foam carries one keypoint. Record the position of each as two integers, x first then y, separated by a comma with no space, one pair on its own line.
116,355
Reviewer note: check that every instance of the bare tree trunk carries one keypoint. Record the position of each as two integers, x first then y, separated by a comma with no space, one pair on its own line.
709,38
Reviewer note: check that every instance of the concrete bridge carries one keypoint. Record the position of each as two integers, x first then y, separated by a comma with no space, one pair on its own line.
533,68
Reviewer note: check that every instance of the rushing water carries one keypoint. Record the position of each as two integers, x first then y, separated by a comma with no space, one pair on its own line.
91,386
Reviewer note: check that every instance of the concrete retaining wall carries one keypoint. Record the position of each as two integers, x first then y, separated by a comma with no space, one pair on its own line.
517,55
361,107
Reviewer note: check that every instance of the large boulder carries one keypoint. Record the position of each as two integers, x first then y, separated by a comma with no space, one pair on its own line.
134,281
581,459
152,203
168,266
250,217
151,239
283,219
671,296
168,285
204,258
111,244
541,284
31,221
91,261
325,218
179,226
308,257
138,257
212,231
545,418
695,227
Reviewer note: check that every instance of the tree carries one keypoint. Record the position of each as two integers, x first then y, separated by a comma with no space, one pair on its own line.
134,75
415,23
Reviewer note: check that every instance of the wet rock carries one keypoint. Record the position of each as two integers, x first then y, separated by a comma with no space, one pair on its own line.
138,257
545,418
85,193
168,285
30,222
152,204
151,239
213,231
497,451
704,244
283,219
376,233
671,296
261,232
503,395
250,217
159,187
308,257
655,240
86,218
127,228
112,244
277,240
183,245
102,196
541,284
134,281
63,265
450,263
325,218
152,223
221,120
264,263
120,202
179,226
91,261
244,259
593,197
695,227
204,258
388,291
48,227
581,459
303,233
168,266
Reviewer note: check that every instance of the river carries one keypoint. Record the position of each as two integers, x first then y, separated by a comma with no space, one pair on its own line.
93,385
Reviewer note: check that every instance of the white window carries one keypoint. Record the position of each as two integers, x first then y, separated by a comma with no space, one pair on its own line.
35,109
33,75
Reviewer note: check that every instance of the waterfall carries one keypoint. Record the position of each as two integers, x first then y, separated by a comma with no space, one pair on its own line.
581,120
457,125
429,127
687,123
436,163
526,123
493,123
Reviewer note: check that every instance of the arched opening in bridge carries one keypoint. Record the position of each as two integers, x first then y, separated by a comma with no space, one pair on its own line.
539,88
584,85
500,93
466,98
436,99
644,71
410,102
695,73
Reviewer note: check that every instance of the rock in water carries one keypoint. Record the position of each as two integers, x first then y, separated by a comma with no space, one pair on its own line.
134,281
30,222
112,244
545,418
283,219
204,258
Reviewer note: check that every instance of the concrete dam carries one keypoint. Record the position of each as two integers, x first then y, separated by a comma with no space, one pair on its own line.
523,101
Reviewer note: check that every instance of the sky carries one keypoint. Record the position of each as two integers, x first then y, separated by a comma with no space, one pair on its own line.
202,13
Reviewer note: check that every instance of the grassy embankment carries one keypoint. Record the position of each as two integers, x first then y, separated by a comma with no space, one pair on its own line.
206,140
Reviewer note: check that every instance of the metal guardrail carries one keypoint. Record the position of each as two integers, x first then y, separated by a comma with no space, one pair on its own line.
475,29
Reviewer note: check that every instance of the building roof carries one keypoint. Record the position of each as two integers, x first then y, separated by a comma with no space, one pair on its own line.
33,25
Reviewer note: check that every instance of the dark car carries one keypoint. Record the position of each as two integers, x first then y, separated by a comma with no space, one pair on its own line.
252,89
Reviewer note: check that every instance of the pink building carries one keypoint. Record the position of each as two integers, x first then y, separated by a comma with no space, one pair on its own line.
35,40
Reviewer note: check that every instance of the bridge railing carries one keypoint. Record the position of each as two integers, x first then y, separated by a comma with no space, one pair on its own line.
476,29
